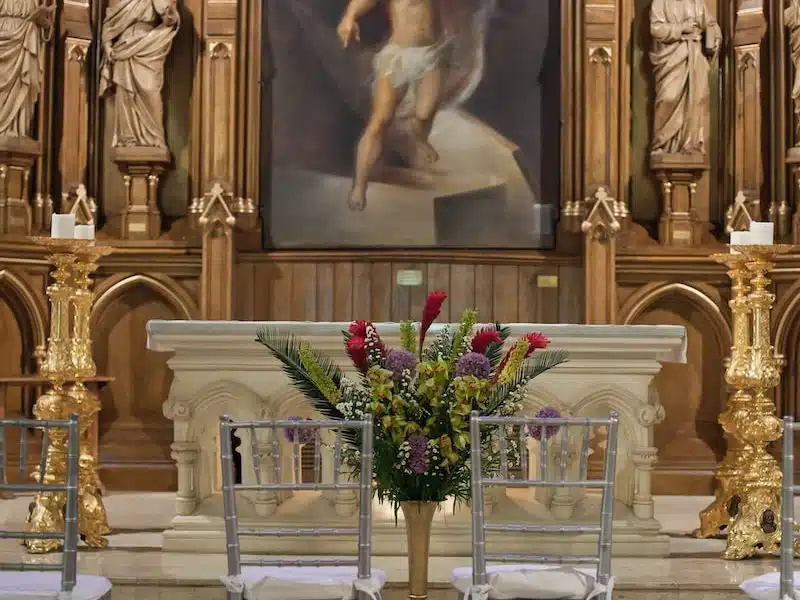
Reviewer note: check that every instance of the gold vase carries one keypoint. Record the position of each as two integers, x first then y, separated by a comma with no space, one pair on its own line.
419,518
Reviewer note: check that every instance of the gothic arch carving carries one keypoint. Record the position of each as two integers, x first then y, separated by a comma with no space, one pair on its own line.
218,398
787,314
28,307
703,297
166,287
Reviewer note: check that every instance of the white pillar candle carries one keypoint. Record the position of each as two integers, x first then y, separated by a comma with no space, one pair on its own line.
762,233
62,227
739,238
84,232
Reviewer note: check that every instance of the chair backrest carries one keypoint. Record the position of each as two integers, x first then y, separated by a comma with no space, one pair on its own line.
295,433
52,432
787,509
554,472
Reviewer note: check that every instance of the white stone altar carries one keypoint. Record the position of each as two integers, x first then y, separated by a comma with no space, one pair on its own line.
219,369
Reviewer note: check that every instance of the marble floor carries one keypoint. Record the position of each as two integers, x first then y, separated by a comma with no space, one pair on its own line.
141,571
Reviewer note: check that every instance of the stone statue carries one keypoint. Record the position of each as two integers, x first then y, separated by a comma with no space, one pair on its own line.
684,35
137,36
791,17
25,27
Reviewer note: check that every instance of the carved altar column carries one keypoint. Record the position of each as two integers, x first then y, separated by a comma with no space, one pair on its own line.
185,456
600,260
141,169
17,157
679,173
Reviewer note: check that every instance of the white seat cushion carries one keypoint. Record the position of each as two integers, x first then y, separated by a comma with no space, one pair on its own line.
767,586
533,582
45,585
304,583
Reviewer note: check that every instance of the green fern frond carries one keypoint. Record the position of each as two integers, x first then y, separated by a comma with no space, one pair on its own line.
541,361
285,347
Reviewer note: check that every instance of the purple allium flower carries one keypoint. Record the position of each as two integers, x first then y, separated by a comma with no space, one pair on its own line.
474,364
399,360
535,431
301,435
418,454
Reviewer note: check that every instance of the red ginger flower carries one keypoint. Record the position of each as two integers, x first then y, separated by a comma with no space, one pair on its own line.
359,328
536,341
433,306
357,349
484,338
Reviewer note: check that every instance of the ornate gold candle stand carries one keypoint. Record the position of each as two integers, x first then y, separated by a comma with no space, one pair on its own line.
68,359
750,478
717,517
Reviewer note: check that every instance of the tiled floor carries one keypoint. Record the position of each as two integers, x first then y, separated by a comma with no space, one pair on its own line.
141,571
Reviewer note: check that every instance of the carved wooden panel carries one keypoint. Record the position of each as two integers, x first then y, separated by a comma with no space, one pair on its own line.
75,121
600,96
690,441
219,110
342,290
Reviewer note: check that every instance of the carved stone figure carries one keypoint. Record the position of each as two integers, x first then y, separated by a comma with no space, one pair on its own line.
685,34
791,17
25,27
137,36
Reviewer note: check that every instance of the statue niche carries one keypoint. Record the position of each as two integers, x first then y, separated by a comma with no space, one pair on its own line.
685,36
25,27
137,37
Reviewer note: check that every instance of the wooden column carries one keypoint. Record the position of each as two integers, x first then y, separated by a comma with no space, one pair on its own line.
218,216
217,224
74,71
748,36
600,260
227,127
601,115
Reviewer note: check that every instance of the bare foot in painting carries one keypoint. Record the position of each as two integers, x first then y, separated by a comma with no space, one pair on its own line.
357,200
424,155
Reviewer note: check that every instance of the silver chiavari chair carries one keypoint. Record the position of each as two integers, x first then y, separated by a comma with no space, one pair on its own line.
275,578
52,579
772,586
533,575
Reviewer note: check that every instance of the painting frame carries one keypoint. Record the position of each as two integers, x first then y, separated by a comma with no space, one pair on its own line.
569,179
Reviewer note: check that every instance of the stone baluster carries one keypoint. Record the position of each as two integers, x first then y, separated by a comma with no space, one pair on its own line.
644,459
185,456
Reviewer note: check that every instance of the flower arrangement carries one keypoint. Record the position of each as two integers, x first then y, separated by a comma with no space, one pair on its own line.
421,397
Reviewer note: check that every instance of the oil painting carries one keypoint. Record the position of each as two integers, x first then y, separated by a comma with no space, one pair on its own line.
412,123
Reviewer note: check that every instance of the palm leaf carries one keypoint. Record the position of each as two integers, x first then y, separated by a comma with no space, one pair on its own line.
495,351
540,362
285,347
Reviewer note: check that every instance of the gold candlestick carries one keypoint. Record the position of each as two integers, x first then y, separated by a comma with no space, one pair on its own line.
69,359
754,477
719,515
